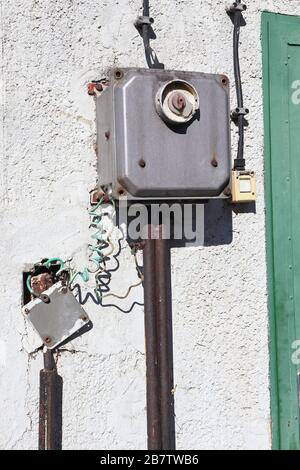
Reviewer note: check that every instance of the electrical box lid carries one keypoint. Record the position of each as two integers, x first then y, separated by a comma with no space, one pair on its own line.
58,320
164,134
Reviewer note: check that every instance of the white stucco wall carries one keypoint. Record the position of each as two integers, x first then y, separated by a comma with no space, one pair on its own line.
50,50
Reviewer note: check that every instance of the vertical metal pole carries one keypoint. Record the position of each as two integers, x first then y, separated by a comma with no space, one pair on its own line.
151,341
159,345
165,337
50,413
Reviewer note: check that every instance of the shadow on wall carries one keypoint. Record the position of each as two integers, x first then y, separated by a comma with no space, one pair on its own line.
217,223
218,220
199,224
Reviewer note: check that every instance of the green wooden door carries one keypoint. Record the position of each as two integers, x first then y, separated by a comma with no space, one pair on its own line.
281,78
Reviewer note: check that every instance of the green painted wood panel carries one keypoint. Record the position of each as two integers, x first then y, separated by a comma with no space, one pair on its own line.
281,80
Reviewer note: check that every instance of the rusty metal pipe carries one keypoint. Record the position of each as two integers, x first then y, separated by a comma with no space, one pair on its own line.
165,339
159,346
151,342
50,411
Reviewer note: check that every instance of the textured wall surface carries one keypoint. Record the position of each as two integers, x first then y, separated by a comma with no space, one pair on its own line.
50,50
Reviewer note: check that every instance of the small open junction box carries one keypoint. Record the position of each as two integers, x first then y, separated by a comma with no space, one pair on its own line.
59,319
163,134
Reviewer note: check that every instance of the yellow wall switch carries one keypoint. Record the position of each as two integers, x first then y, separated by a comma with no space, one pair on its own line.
243,186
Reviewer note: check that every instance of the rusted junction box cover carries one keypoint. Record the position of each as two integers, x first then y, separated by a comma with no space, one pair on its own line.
163,134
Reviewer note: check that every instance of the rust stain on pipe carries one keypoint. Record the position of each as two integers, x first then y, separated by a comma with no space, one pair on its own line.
151,342
159,342
50,411
165,339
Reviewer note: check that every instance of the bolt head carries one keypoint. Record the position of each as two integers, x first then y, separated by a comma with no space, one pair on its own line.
45,298
63,290
99,87
224,80
119,74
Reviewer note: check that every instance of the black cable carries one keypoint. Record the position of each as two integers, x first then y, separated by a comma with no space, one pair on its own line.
239,114
144,25
240,161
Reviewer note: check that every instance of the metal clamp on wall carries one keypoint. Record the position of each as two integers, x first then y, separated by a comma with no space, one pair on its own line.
143,20
239,112
236,6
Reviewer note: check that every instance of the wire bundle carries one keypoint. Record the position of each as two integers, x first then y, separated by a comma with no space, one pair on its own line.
101,240
236,10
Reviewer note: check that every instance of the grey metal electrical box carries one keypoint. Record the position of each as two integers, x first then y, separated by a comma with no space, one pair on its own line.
163,134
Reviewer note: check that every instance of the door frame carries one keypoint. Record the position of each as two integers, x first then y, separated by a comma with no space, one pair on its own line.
269,233
267,19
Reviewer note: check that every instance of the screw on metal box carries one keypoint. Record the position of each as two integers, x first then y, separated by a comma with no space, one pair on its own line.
227,192
119,74
224,80
63,290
